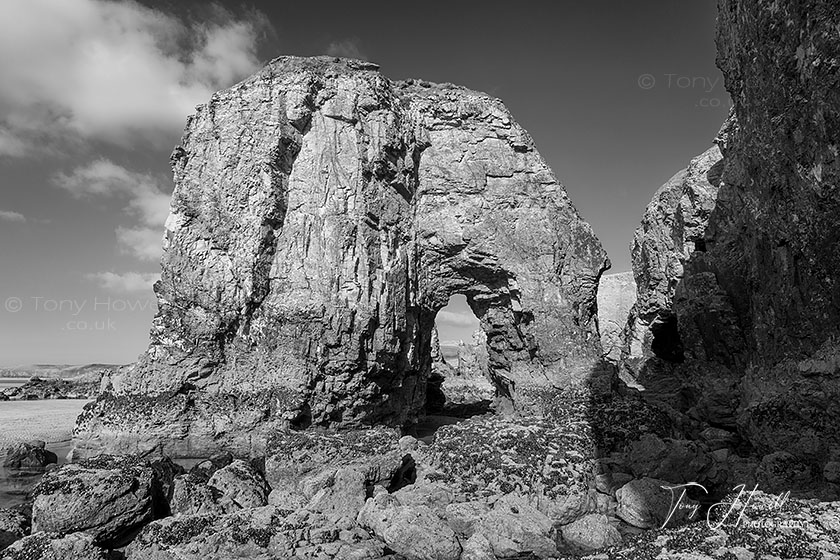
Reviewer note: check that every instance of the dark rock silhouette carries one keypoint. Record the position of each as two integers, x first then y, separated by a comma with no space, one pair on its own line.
736,324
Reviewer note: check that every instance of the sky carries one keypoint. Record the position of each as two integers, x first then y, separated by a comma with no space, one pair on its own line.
617,95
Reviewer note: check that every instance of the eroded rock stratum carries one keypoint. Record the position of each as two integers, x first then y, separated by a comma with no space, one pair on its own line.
322,215
737,259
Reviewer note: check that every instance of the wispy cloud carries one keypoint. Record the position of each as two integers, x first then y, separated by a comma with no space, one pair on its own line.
347,48
144,201
9,216
126,281
145,243
115,71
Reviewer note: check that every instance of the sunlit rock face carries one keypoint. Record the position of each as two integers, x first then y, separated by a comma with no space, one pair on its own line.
737,322
616,296
322,215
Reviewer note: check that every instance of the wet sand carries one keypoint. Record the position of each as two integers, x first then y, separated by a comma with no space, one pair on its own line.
49,420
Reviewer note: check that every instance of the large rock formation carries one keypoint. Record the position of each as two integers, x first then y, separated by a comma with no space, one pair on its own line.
738,317
616,296
672,231
322,215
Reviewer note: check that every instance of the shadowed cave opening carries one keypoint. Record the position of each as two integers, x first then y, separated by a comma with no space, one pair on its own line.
666,342
459,385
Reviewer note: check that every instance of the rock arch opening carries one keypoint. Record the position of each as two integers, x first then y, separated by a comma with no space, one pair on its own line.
459,382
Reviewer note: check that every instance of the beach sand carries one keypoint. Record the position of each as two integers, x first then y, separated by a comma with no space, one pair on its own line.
49,420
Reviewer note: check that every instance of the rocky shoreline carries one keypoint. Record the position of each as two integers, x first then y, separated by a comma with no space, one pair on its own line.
488,487
37,389
324,214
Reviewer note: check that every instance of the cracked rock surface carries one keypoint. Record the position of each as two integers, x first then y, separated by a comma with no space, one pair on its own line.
322,215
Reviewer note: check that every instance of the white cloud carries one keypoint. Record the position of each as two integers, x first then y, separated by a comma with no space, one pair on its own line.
143,200
348,48
114,71
455,319
126,281
145,243
8,216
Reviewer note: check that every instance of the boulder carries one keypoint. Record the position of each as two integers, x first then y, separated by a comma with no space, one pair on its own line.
781,472
464,517
108,497
717,438
250,533
515,528
322,215
831,471
590,533
53,546
29,456
648,504
337,493
191,496
334,472
13,526
414,532
676,461
240,486
435,496
477,547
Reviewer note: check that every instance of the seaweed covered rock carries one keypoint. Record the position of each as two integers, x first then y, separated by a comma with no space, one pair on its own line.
14,525
219,486
108,497
54,546
266,532
590,533
744,525
240,486
32,455
551,463
38,388
322,216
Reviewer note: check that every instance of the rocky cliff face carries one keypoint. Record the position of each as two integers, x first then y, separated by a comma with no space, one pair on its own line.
616,296
737,319
672,231
322,215
781,62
